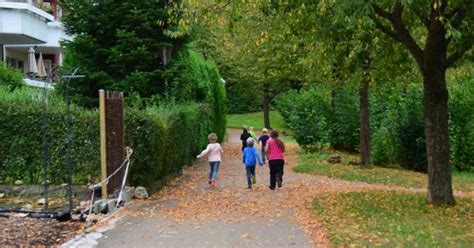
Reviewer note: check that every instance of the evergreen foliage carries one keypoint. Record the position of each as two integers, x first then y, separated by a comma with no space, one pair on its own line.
119,45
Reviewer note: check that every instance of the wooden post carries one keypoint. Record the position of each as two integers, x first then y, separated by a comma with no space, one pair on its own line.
115,138
103,142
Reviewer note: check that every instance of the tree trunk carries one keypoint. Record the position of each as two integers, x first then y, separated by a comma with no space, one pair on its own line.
433,62
266,107
364,119
435,108
435,104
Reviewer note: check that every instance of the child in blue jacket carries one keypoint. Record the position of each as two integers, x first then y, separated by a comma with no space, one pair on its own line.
250,159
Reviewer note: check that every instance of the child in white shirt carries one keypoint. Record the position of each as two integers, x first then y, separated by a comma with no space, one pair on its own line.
214,152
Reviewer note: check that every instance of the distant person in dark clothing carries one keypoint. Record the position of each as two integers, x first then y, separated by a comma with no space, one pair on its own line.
263,138
244,136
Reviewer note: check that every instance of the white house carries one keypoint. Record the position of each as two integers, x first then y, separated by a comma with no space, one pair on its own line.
31,23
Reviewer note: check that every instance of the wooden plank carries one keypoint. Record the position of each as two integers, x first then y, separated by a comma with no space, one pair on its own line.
103,143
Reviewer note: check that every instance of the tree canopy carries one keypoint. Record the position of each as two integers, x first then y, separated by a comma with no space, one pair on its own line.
273,44
122,45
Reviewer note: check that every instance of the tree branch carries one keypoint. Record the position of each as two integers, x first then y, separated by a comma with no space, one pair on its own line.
400,32
385,30
444,5
457,55
398,10
381,12
453,12
423,18
457,19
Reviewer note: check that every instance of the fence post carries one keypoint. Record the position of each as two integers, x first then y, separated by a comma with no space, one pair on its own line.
114,123
111,139
103,144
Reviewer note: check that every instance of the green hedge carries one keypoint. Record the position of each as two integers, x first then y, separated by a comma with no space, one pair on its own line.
21,150
164,139
192,78
397,126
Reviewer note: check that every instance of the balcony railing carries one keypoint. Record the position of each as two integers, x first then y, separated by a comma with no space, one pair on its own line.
51,7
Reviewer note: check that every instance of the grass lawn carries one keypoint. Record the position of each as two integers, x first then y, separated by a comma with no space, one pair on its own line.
315,163
393,219
256,120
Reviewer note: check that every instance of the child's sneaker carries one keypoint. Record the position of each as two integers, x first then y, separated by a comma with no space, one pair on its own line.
210,181
250,186
254,179
213,183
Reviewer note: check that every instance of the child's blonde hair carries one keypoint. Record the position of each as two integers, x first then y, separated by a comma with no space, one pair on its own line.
264,130
212,138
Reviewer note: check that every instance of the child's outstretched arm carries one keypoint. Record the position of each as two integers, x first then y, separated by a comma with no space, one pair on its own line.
203,153
257,157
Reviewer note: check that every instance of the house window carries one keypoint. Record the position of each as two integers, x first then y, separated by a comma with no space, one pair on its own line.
12,62
47,65
21,65
15,63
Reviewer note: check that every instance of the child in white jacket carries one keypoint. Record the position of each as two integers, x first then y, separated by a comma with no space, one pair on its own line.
214,152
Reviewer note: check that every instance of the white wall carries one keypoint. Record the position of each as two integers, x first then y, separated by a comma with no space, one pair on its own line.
16,22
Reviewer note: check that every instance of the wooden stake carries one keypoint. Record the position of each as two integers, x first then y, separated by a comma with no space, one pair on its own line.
103,150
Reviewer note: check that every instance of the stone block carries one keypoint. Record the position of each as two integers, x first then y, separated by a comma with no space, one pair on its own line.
141,193
111,205
41,201
335,159
128,193
99,206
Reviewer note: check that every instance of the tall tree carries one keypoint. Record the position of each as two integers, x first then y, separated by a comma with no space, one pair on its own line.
257,52
121,45
345,40
437,33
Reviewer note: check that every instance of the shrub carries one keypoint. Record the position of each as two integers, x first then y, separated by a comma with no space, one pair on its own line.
21,153
165,138
10,77
397,125
307,114
242,102
191,78
344,119
318,116
411,132
461,124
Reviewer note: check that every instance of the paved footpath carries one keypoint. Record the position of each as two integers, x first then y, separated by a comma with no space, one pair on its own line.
189,213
